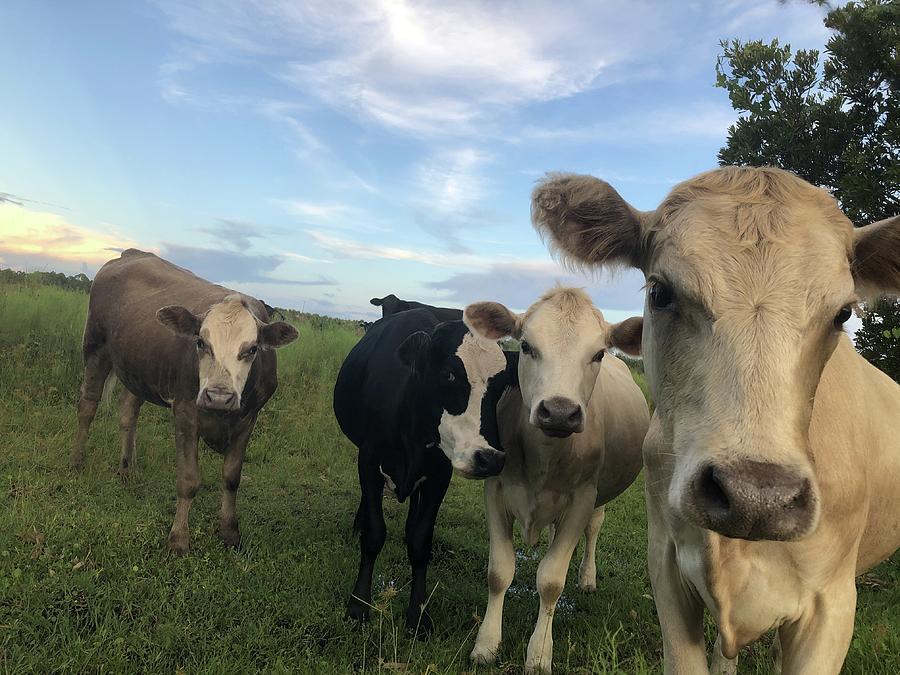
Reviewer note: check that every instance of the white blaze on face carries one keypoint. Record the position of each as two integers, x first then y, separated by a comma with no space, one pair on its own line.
228,331
461,434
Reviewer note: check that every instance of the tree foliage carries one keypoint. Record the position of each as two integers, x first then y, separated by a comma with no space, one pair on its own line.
835,122
879,338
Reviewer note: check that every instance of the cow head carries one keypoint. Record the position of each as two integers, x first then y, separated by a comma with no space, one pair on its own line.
563,340
460,376
228,339
751,273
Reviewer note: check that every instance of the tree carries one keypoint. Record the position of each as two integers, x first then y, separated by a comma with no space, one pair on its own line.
879,338
836,123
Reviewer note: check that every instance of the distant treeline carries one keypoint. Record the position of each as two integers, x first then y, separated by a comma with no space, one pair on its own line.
78,282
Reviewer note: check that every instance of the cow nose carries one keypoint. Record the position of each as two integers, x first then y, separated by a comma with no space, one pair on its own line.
216,398
559,417
487,462
754,500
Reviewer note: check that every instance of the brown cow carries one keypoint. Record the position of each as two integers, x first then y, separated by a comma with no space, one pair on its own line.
773,457
178,341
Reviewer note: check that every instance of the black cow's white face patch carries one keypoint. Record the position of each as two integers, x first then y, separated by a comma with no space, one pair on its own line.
471,368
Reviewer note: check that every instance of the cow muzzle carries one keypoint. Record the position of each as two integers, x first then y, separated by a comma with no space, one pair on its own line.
559,417
753,500
485,462
218,398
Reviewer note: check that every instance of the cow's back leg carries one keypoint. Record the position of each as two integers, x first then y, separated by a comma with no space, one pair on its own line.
370,520
97,366
587,571
188,472
424,504
721,664
129,409
231,480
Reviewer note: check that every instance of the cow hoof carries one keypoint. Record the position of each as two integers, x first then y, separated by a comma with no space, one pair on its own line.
232,538
357,611
483,656
179,545
419,624
539,666
125,474
76,462
588,586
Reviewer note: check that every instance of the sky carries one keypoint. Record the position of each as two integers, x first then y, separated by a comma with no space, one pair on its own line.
316,154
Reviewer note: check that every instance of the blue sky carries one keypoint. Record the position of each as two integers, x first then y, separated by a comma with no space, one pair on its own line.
316,154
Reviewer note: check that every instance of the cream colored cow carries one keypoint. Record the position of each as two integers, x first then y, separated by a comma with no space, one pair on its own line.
572,432
773,458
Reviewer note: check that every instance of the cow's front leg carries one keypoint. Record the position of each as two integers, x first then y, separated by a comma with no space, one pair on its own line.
679,608
188,472
501,568
231,481
817,643
551,577
423,509
587,571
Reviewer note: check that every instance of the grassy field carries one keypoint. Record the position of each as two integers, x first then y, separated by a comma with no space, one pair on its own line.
86,583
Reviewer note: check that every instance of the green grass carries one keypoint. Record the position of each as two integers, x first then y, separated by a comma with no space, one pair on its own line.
86,583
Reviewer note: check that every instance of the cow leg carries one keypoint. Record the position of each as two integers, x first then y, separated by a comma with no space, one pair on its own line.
501,569
231,481
551,577
97,367
587,571
188,472
370,520
423,509
129,408
679,608
818,642
721,664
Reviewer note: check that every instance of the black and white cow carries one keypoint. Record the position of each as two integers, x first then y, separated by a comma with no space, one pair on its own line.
391,304
418,398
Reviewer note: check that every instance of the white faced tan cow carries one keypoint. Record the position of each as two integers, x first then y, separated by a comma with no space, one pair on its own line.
773,459
178,341
418,398
572,433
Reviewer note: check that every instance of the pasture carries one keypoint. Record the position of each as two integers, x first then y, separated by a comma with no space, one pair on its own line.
86,582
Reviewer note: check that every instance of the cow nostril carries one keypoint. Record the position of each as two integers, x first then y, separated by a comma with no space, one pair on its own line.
543,413
712,492
575,416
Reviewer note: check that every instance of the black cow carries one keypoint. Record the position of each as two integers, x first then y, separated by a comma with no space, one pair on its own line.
391,304
418,398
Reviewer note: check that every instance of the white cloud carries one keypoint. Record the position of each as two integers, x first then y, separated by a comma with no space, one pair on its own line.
351,248
429,67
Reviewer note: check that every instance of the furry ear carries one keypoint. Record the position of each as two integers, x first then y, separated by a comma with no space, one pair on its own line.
492,320
587,220
179,320
277,334
876,258
412,350
626,335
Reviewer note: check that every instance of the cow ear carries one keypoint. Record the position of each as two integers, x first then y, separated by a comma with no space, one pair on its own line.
412,350
492,320
626,336
179,320
277,334
587,221
876,258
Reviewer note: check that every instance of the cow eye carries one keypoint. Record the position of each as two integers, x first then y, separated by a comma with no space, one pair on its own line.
451,377
252,351
660,295
201,345
843,316
598,357
526,348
